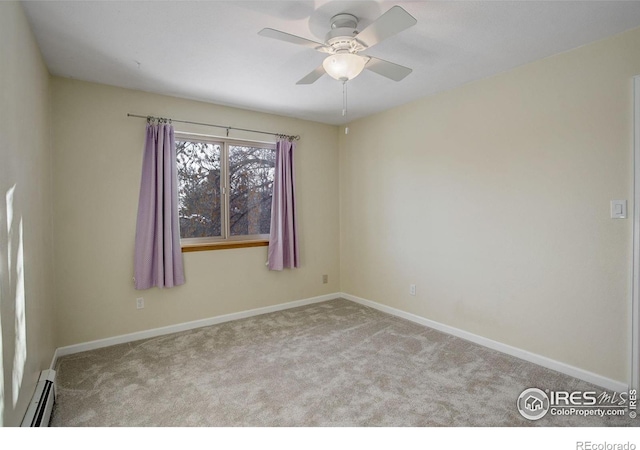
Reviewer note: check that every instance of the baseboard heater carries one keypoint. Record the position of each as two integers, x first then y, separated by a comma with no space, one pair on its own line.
39,410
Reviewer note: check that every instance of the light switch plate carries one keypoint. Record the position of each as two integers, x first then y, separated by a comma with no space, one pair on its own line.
618,209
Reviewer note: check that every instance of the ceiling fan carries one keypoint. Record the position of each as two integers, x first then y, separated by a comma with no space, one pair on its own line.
344,44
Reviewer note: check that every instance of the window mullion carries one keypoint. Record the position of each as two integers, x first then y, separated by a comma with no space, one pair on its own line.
226,188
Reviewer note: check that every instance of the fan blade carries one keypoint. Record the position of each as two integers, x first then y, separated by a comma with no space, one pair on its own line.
282,36
313,76
392,22
396,72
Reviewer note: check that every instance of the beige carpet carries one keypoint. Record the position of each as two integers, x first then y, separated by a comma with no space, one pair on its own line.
335,363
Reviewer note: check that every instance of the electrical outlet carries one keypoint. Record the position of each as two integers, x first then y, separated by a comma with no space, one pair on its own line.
140,303
412,289
325,279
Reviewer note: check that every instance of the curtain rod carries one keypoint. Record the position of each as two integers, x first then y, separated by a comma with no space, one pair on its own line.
287,136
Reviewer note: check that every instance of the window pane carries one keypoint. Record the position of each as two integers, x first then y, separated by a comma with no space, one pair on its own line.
199,195
251,171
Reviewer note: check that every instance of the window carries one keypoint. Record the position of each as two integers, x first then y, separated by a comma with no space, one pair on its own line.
224,189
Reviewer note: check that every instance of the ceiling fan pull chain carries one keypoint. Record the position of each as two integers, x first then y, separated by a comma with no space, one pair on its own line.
344,98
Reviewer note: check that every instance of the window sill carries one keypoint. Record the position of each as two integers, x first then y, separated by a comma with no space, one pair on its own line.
223,245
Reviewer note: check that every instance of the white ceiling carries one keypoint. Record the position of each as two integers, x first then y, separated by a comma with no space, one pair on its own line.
211,51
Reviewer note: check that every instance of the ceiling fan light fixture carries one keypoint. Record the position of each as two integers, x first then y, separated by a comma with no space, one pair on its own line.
344,66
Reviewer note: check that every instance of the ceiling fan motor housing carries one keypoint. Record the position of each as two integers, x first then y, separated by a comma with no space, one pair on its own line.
341,38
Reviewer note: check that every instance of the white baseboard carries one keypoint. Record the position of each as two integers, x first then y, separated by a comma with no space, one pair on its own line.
52,366
543,361
155,332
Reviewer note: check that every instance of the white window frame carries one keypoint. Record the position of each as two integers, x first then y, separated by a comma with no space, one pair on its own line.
225,142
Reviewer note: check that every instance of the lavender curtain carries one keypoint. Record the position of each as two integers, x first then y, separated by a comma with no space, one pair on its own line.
158,256
283,239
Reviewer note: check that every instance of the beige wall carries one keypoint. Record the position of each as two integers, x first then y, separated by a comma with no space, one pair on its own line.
493,199
26,283
97,165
